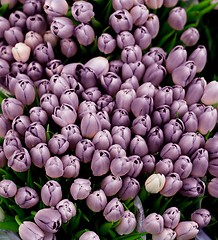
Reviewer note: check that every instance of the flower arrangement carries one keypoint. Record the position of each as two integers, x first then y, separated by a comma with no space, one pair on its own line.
107,123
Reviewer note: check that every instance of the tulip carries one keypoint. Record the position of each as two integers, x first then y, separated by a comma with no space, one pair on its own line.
175,58
120,4
82,11
140,106
210,146
89,235
199,57
131,54
37,114
201,216
183,166
121,135
213,187
100,162
13,35
84,150
55,7
116,150
111,185
36,23
6,53
127,223
147,89
54,167
186,230
141,125
190,121
164,166
171,150
106,43
58,144
71,166
8,188
121,20
40,154
171,217
43,53
178,92
80,188
166,234
85,34
148,164
58,85
161,115
190,37
120,166
155,139
3,159
142,37
31,7
153,25
35,71
153,56
68,47
5,25
26,197
11,144
32,39
48,102
18,67
170,3
21,52
153,223
155,183
29,230
136,69
139,14
5,125
67,210
51,193
113,210
209,97
138,146
91,94
124,39
173,130
102,140
130,83
70,97
200,162
20,160
42,86
163,96
62,27
192,187
35,134
130,188
53,67
48,36
104,120
115,66
178,108
96,201
48,219
106,103
177,18
4,67
212,167
197,108
11,108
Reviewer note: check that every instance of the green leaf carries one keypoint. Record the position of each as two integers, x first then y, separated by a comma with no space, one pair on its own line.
3,9
9,226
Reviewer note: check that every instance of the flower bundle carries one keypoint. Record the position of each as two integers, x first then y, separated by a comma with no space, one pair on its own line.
108,129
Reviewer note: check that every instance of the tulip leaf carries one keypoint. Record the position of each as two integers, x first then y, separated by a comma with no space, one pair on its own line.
30,179
17,209
75,221
199,6
3,9
9,226
105,227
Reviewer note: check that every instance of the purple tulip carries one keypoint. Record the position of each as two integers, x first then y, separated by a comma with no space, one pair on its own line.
67,210
130,188
48,102
148,163
5,125
190,36
153,56
178,92
29,230
121,135
171,217
213,187
26,197
106,43
136,69
211,147
43,53
197,108
102,140
3,159
11,108
138,146
183,166
33,39
100,163
200,162
141,125
51,193
139,14
111,185
48,219
173,130
36,23
177,18
116,150
80,188
6,54
40,154
130,83
178,108
42,86
161,115
164,166
163,96
96,201
89,235
68,47
84,150
201,216
13,35
82,11
120,4
155,139
170,150
11,144
70,97
186,230
35,71
58,144
31,7
37,114
4,67
71,166
131,54
7,188
153,223
137,166
120,166
147,89
106,103
140,106
190,121
113,210
153,25
53,67
91,94
18,67
48,36
120,117
84,34
192,187
5,25
170,3
62,27
115,66
212,167
54,167
104,120
55,7
124,39
58,85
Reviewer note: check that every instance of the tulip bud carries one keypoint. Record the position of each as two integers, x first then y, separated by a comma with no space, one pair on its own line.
96,201
192,187
68,47
209,96
3,159
170,3
36,23
190,37
84,150
4,67
48,219
120,117
120,166
37,114
212,167
54,167
178,92
190,121
186,230
7,188
43,53
21,52
29,230
62,27
121,135
102,140
153,224
120,4
213,187
201,216
183,166
155,139
153,25
85,34
140,106
40,154
163,96
130,188
211,147
142,37
154,4
173,130
91,94
6,54
100,162
80,188
111,185
161,115
177,18
58,144
146,89
35,71
124,39
71,166
138,146
113,210
155,183
166,234
124,98
106,103
5,25
11,108
178,108
10,145
164,166
171,150
55,7
116,150
5,125
89,235
141,125
115,66
148,164
171,217
48,102
127,223
106,43
26,197
13,35
48,36
131,54
33,39
200,162
66,209
82,11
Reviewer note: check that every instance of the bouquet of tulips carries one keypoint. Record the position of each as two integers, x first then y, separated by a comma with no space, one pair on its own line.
107,123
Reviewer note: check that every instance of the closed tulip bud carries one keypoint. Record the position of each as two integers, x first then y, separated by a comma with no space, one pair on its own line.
201,216
190,37
199,57
211,147
170,3
192,187
43,53
36,23
13,35
190,121
35,71
51,193
89,235
106,103
31,7
67,210
48,36
6,54
96,201
155,139
141,125
130,83
37,114
58,144
120,166
153,56
177,18
35,134
33,39
111,185
55,7
62,27
120,4
58,85
68,47
82,11
171,217
155,183
183,166
91,94
153,224
171,150
142,37
161,115
200,162
164,166
54,167
148,164
42,86
29,230
115,66
84,34
7,188
186,230
4,67
120,117
113,210
178,92
111,83
48,102
26,197
102,140
5,125
212,187
212,167
69,97
197,108
11,108
124,39
124,98
84,150
71,166
139,14
209,95
178,108
21,52
48,219
54,67
166,234
140,106
137,166
80,188
5,25
163,96
40,154
147,89
100,163
116,150
138,146
131,54
121,135
20,160
106,43
133,69
127,223
154,4
130,188
10,145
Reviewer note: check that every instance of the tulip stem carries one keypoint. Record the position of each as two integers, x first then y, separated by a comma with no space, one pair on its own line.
17,219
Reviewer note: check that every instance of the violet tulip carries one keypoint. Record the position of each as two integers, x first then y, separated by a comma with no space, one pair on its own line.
35,71
11,144
48,102
42,86
54,167
67,210
121,135
13,35
186,230
190,121
31,7
131,54
190,37
68,47
141,125
120,166
121,4
173,130
89,235
192,187
155,139
96,201
124,39
177,18
36,23
102,140
11,108
58,84
201,216
213,187
91,94
139,14
148,164
58,144
183,166
130,188
4,67
116,150
54,66
100,163
29,230
71,166
200,162
178,108
137,166
80,188
106,43
120,117
147,89
5,125
40,154
106,103
111,185
82,11
37,114
85,34
138,146
70,97
62,27
113,210
55,7
140,106
84,150
7,188
43,53
178,92
164,166
161,115
163,96
153,223
171,217
5,25
6,54
171,150
136,69
142,37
